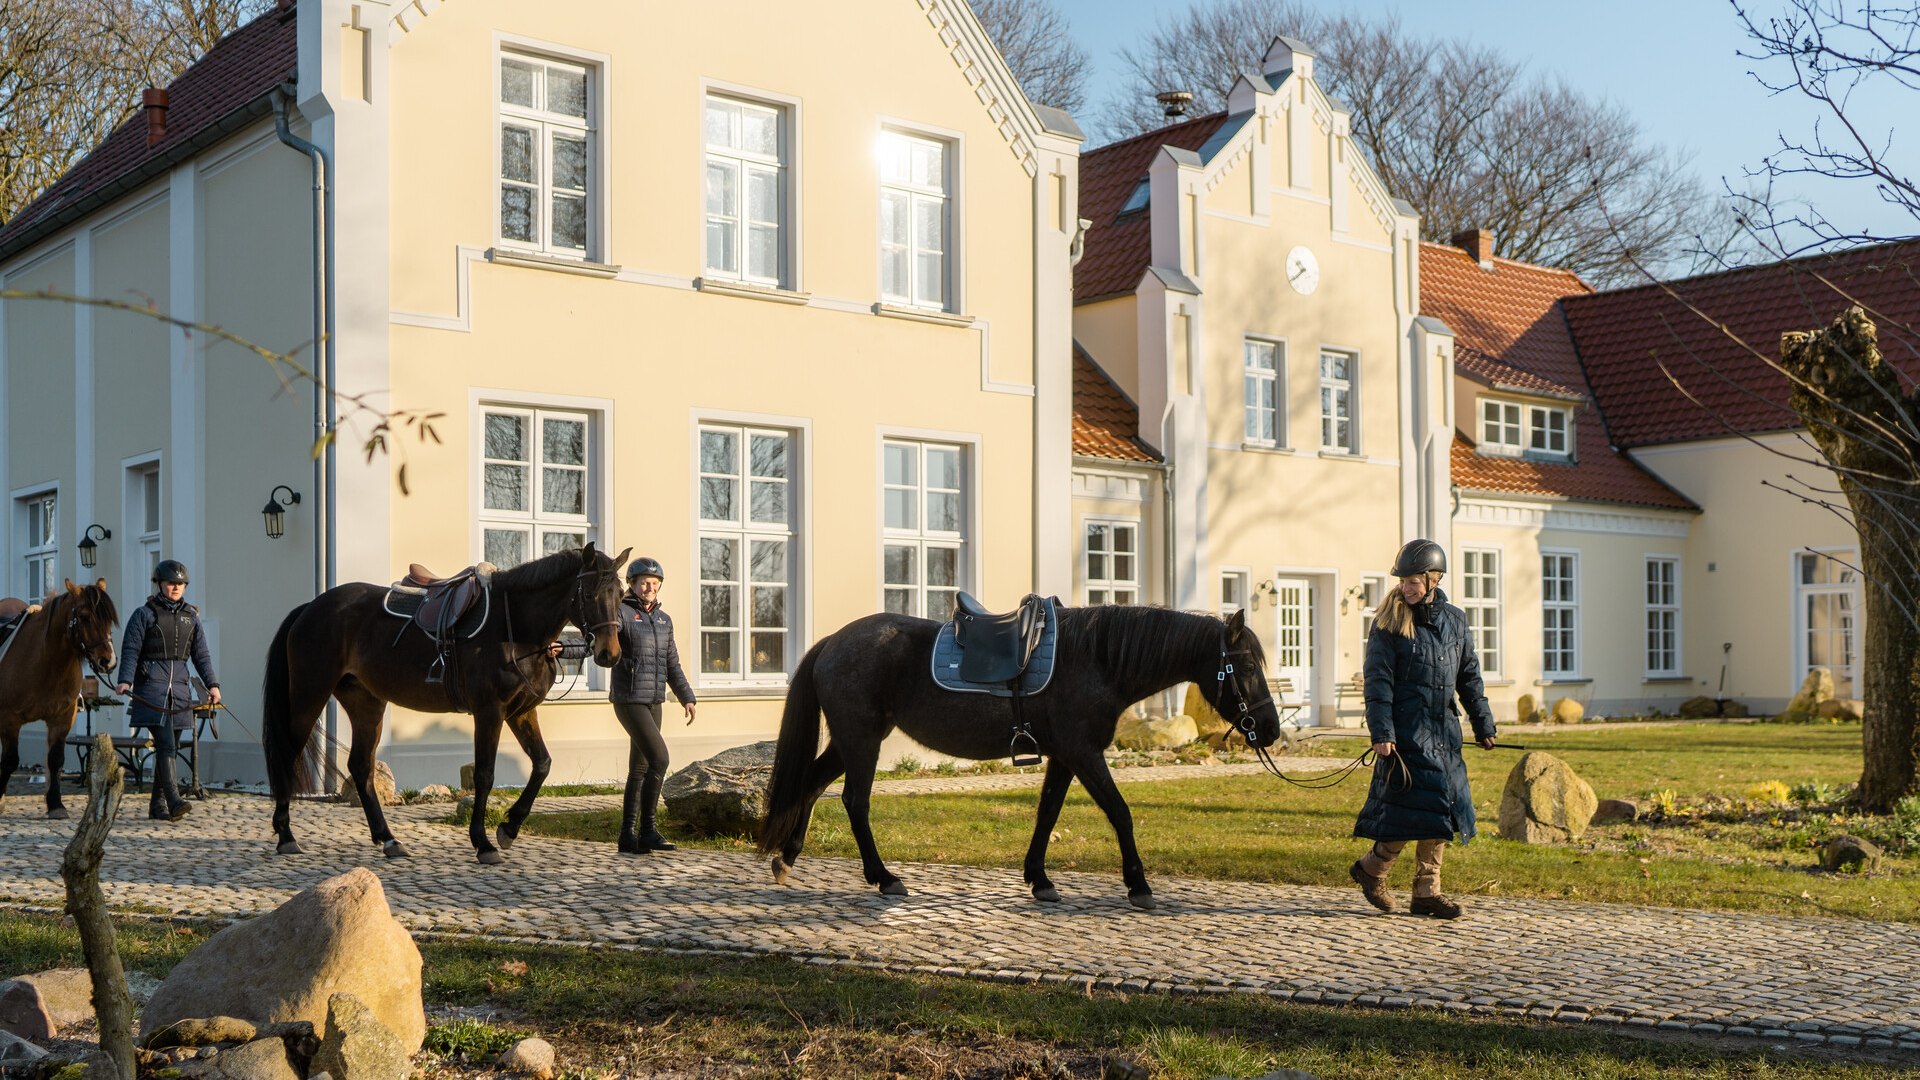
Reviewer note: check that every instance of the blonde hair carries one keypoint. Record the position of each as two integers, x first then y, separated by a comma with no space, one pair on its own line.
1394,615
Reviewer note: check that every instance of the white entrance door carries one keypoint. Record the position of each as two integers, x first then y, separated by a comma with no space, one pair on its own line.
1294,638
1827,598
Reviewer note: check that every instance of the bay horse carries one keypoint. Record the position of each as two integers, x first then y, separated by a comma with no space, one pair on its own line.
344,644
40,675
875,674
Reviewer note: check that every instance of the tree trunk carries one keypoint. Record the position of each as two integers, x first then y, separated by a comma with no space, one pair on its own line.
80,867
1869,432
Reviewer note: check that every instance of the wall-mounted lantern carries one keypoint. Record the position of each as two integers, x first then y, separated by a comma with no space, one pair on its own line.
275,513
89,549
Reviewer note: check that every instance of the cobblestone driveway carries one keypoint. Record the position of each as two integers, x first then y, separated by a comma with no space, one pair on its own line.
1842,982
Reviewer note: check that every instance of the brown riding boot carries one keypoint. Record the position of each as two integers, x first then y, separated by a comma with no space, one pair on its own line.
1371,887
1439,906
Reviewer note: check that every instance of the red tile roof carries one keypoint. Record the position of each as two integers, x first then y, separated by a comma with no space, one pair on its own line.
1119,248
1106,423
221,92
1625,336
1489,370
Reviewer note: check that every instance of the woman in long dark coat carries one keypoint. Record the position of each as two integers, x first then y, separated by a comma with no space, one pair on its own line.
1420,657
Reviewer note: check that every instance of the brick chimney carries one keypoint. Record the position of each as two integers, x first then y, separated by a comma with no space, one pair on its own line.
1478,243
154,100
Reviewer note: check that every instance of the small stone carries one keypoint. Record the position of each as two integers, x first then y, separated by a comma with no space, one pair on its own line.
23,1011
196,1031
532,1057
1849,852
15,1049
262,1059
1700,707
1527,709
1609,811
66,992
384,787
1568,711
358,1046
435,793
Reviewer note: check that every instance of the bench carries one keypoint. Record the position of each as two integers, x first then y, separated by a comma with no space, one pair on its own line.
136,751
1282,693
1350,702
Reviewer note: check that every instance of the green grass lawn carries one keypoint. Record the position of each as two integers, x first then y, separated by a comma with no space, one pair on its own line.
1730,855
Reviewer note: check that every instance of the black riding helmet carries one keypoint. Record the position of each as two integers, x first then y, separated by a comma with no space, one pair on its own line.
645,567
1419,557
170,572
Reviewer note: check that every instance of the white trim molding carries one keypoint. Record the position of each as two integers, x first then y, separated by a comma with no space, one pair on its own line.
1572,517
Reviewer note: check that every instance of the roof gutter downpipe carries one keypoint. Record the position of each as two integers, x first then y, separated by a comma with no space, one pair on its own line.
324,567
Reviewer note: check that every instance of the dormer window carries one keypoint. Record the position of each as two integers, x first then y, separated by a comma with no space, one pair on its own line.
1500,426
1511,428
1547,430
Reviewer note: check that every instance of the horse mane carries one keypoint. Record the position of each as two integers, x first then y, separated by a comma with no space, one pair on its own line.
1134,637
542,572
56,603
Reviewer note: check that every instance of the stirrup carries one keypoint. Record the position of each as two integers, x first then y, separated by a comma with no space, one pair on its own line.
437,671
1031,756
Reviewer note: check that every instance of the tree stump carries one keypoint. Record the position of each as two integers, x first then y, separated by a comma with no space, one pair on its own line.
80,868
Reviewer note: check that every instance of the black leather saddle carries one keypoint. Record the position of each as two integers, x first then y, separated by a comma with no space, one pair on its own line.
996,646
12,611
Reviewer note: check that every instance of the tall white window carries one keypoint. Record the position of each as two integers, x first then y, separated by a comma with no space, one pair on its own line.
1560,602
924,527
537,473
746,553
1500,425
140,509
1547,430
746,190
1663,616
1113,562
1826,602
1480,599
547,154
1336,401
1266,424
1233,591
42,550
914,220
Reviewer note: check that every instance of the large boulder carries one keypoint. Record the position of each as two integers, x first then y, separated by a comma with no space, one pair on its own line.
336,937
1545,802
67,994
725,795
1568,711
262,1059
1154,732
1840,709
1527,709
358,1046
23,1011
1615,811
15,1050
1206,721
384,788
1814,689
1698,707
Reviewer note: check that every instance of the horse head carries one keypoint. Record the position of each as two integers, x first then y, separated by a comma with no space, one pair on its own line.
1238,691
596,602
91,618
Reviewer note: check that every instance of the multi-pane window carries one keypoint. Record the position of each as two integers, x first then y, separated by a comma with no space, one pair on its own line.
1113,562
914,222
536,475
1663,616
1560,604
144,480
746,190
924,527
1547,430
1480,599
1500,425
547,154
1262,382
1826,599
1336,401
746,494
42,550
1233,591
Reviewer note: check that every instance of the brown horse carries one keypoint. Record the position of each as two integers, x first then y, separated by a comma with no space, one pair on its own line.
343,644
40,676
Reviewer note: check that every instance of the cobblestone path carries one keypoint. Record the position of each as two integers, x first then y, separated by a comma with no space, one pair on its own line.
1842,982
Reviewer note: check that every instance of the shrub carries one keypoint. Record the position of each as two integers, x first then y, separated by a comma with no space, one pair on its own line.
1769,793
468,1039
1814,793
906,765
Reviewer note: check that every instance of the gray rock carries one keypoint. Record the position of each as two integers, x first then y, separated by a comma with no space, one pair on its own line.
1610,811
262,1059
1849,852
435,793
15,1050
142,986
23,1011
201,1031
1545,802
66,992
384,788
357,1046
532,1057
725,795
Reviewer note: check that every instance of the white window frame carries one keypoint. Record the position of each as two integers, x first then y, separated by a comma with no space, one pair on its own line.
783,164
1240,580
1539,430
1274,379
546,125
1570,609
1662,616
41,559
1495,429
916,195
1109,588
1843,560
143,543
920,539
1330,385
745,532
1483,608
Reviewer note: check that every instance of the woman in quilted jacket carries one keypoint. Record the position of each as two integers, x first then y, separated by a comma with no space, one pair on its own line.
1420,666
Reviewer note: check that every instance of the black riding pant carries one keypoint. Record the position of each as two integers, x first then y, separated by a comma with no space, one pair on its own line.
646,765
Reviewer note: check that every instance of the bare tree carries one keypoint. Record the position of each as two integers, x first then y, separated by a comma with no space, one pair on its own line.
1455,129
1038,45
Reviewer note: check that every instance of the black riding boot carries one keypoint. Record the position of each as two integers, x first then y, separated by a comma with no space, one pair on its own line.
629,810
650,837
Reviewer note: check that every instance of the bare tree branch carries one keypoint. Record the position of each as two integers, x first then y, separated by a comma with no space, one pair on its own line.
1038,45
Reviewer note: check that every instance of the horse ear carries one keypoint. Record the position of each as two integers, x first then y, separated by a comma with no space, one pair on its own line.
589,549
621,559
1236,625
72,589
101,584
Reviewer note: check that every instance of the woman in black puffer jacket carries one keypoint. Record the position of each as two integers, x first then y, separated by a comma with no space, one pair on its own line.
1419,657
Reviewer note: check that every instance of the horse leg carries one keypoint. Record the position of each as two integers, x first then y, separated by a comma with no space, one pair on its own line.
1053,792
366,711
526,731
9,759
855,795
56,764
825,770
486,746
1091,770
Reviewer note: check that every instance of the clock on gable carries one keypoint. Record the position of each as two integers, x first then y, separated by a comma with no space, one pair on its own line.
1303,270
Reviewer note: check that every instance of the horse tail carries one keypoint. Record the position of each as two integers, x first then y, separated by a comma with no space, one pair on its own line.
793,755
284,765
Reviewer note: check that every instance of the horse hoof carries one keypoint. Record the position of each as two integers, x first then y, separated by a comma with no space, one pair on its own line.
291,847
392,850
1048,895
503,838
491,858
1143,900
780,868
896,887
58,813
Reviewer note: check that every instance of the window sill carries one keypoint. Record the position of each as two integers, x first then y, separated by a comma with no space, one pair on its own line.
1496,682
1257,448
736,692
537,261
1562,682
1343,455
1666,678
925,315
751,291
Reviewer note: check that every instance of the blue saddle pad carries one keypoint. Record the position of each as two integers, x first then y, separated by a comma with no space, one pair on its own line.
946,661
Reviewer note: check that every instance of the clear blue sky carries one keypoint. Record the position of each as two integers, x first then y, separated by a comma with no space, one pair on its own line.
1671,63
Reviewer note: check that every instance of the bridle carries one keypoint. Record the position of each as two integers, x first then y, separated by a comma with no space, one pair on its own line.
580,599
78,642
1244,722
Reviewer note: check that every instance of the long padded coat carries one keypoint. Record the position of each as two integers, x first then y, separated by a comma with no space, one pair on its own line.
1421,793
